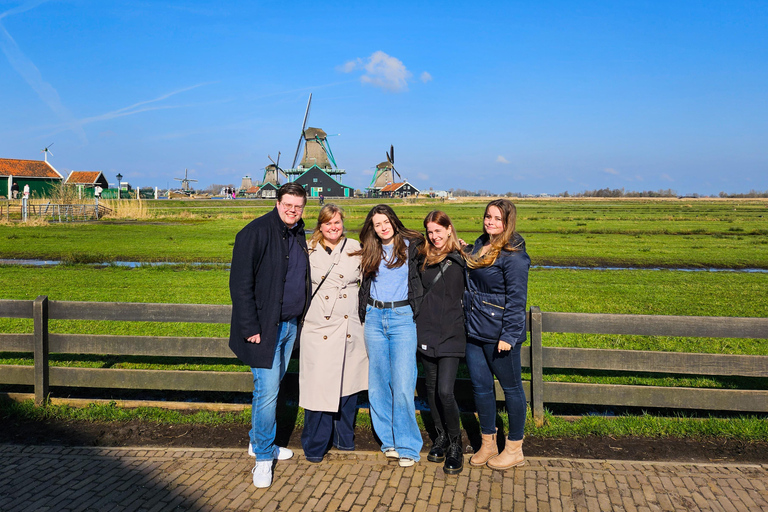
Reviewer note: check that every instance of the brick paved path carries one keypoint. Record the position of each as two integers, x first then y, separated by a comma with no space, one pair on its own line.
35,478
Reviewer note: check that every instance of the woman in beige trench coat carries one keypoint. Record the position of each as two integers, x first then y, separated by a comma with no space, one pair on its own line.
333,364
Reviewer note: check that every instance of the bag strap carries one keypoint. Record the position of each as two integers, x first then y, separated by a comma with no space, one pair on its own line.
341,251
440,270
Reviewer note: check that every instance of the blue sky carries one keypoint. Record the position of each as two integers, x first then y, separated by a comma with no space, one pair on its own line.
531,97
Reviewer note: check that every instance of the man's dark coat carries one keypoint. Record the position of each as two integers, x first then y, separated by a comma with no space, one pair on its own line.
256,281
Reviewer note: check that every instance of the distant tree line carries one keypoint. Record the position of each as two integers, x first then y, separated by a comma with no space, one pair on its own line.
620,192
751,194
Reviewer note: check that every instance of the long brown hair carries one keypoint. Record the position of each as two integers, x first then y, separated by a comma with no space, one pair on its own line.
501,242
372,252
327,212
433,255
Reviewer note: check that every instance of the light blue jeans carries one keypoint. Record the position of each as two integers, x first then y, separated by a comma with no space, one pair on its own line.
390,338
266,384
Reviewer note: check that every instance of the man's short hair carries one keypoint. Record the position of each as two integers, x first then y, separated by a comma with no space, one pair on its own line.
293,189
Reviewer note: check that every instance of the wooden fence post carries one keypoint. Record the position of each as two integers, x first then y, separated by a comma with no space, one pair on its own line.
537,376
40,315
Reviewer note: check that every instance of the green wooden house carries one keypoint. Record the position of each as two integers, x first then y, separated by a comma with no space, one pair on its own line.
39,175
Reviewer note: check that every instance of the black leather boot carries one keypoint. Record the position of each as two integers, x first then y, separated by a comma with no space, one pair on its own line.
437,453
454,459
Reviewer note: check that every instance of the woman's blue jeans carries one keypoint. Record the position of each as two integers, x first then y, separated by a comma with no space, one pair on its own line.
390,338
483,362
266,384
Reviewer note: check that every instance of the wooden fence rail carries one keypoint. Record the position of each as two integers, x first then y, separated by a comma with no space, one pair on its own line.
13,210
536,356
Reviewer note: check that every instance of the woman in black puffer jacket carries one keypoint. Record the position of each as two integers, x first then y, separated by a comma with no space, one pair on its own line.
441,336
494,309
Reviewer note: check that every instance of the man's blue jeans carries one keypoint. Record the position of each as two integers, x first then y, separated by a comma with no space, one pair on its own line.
266,384
390,338
483,362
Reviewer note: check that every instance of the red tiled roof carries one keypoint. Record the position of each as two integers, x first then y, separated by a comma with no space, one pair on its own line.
28,168
393,187
252,190
84,177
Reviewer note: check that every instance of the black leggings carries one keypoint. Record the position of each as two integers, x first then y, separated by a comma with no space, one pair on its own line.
440,375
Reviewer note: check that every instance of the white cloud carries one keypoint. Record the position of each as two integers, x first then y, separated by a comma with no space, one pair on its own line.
638,177
425,77
381,70
501,160
611,171
666,177
422,176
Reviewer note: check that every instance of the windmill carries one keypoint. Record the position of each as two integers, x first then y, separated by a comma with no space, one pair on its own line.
45,152
185,181
317,150
385,172
271,172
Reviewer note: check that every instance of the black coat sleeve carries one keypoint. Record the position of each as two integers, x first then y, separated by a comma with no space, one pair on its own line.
246,255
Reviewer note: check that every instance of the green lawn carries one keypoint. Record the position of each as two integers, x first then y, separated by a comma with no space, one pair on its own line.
671,234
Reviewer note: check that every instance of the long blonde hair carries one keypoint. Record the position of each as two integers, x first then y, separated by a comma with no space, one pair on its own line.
501,242
371,250
433,255
327,212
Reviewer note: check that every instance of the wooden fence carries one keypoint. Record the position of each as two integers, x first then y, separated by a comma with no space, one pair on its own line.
537,357
13,210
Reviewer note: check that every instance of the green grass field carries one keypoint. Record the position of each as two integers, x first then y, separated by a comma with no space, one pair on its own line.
646,234
652,234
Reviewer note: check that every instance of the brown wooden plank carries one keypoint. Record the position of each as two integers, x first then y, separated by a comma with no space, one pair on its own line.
151,379
40,336
17,374
656,362
16,308
17,342
537,366
657,397
140,312
165,346
656,325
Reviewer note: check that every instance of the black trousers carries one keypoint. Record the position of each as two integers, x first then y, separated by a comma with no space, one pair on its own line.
323,429
440,373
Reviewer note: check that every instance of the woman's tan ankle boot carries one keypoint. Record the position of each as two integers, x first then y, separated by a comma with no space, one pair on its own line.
511,456
487,450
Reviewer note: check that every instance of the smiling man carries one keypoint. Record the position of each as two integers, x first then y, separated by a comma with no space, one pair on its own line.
269,285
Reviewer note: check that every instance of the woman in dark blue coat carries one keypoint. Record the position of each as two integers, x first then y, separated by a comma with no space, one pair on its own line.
494,309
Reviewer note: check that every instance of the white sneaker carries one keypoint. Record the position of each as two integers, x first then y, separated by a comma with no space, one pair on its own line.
282,453
406,462
262,474
391,453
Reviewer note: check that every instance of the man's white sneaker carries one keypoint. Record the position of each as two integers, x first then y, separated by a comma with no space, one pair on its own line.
391,453
281,453
262,474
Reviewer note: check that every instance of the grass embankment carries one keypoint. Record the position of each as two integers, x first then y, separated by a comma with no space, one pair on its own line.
748,428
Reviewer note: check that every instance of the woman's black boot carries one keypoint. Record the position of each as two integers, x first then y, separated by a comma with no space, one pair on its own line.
454,459
437,453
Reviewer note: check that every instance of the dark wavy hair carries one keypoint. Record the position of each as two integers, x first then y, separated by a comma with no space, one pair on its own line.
372,252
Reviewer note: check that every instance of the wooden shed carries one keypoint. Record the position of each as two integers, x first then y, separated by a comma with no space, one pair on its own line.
39,175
